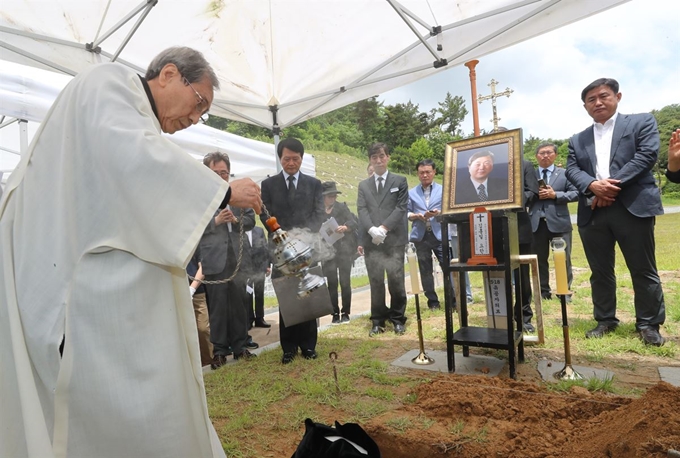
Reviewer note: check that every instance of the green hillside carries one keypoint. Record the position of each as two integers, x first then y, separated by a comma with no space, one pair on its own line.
347,171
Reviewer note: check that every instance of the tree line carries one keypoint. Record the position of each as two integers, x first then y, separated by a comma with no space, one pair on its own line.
414,135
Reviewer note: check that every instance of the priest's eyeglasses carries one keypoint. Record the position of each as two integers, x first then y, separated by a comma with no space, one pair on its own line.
202,105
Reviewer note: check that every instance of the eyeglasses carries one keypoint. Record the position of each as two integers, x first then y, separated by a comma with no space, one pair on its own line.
202,105
222,173
545,153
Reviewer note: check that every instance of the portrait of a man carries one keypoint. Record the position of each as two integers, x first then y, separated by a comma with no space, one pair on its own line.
475,180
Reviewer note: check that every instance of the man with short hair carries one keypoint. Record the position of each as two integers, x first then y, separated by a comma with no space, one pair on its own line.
424,204
92,259
382,204
295,200
610,163
550,214
220,247
479,186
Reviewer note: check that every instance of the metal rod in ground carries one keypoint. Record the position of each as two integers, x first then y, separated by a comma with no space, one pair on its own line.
568,372
422,358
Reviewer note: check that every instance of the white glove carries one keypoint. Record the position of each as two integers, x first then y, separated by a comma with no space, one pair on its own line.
377,234
374,232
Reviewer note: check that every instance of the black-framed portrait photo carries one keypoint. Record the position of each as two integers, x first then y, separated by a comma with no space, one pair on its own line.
485,172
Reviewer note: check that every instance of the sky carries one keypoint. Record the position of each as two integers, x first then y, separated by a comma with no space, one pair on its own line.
633,43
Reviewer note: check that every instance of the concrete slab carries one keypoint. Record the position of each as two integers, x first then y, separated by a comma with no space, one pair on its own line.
472,365
670,375
548,368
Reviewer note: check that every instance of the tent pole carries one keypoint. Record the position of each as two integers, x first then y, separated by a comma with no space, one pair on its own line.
23,136
276,130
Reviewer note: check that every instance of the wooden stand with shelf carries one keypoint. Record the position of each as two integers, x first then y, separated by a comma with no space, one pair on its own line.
506,252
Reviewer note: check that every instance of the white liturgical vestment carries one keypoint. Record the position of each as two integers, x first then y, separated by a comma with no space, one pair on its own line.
97,224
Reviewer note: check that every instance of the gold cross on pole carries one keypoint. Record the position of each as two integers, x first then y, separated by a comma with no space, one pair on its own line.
493,96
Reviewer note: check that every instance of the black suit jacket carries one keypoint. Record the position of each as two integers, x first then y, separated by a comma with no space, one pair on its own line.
258,253
307,210
216,240
387,209
465,192
634,151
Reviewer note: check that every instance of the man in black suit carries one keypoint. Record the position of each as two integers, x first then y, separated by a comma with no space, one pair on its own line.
296,202
479,187
382,204
549,213
610,164
219,250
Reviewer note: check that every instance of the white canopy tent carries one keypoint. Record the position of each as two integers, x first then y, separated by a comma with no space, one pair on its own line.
281,62
27,93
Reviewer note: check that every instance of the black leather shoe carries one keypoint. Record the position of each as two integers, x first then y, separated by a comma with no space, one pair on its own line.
600,330
345,318
245,354
434,307
399,329
651,336
262,324
218,361
287,358
309,354
375,330
529,328
336,319
250,344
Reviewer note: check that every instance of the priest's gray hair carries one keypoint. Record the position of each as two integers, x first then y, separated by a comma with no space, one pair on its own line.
190,63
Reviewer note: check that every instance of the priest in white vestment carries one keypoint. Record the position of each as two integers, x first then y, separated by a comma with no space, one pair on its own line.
97,224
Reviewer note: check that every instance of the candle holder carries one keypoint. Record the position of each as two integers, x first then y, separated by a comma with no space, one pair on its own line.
422,358
560,258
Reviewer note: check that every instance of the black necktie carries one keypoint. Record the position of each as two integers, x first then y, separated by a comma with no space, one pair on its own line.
545,176
380,185
291,189
481,192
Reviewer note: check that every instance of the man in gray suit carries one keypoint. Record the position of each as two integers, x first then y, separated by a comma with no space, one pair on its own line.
219,249
550,214
382,204
610,164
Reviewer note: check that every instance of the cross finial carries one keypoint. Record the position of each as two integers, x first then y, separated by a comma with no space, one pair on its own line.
493,96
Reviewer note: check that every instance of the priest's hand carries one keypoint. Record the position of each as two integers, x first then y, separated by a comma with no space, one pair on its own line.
245,193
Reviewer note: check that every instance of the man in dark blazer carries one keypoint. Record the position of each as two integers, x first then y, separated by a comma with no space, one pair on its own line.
610,164
479,186
550,214
219,250
382,203
295,200
525,238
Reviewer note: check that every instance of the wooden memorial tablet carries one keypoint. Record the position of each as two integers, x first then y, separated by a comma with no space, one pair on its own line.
481,238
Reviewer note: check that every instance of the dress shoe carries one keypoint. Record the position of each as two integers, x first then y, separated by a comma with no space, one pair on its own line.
218,361
336,319
399,329
309,354
600,330
250,344
287,358
651,336
529,328
434,307
245,354
260,323
345,318
375,330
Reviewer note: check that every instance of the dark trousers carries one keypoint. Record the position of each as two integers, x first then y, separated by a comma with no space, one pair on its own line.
341,267
542,238
635,237
523,276
424,250
227,311
383,259
256,301
302,335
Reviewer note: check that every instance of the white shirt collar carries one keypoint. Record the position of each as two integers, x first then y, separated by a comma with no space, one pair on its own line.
384,176
608,124
296,175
